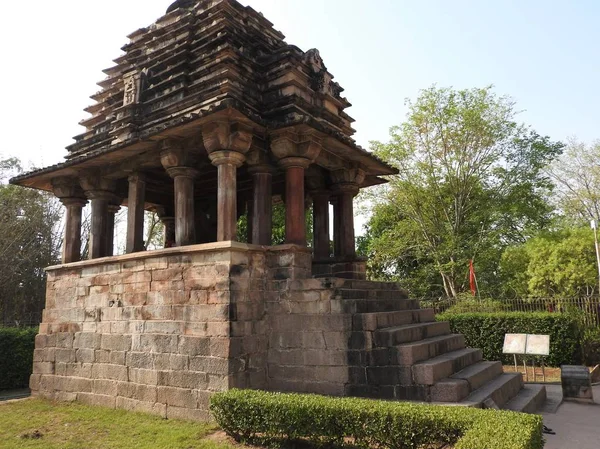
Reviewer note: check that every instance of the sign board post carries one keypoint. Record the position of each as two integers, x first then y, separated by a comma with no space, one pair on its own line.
527,344
515,344
538,345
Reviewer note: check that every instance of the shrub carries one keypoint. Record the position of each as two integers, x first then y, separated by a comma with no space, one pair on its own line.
591,346
274,418
472,305
486,331
16,357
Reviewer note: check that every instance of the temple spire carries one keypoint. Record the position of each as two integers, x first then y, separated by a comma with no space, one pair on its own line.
181,4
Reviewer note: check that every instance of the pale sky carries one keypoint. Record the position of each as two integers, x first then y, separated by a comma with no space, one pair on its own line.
543,53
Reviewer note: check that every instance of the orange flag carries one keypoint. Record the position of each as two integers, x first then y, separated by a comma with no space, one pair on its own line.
472,278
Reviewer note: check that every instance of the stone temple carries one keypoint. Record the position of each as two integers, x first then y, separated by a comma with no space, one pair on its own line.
209,115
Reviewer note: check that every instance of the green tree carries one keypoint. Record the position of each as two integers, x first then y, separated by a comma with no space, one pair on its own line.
577,177
278,233
30,241
553,264
470,183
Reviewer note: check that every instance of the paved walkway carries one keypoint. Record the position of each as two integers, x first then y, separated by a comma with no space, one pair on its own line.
576,425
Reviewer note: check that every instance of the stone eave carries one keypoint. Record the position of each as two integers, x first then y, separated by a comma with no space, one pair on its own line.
41,179
336,143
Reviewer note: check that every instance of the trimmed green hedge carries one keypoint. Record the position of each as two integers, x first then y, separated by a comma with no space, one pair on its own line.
486,331
274,418
16,357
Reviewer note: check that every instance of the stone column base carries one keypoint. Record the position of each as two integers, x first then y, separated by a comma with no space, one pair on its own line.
340,268
289,262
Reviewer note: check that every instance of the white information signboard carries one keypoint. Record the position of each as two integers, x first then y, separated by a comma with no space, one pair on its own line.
527,344
538,345
514,343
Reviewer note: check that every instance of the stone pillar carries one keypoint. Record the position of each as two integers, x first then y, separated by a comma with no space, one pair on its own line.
295,150
227,143
169,224
346,186
72,237
72,197
135,214
261,218
185,229
110,229
337,240
227,163
346,223
101,192
250,217
321,224
99,223
295,218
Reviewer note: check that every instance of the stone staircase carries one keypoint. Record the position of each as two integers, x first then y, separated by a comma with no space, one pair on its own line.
398,351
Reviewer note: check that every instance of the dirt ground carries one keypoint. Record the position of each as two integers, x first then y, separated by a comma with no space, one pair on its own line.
552,374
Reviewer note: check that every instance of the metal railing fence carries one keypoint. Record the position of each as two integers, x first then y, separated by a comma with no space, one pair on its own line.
587,306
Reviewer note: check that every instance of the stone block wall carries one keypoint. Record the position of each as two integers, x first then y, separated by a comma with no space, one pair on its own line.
156,332
308,342
161,331
354,269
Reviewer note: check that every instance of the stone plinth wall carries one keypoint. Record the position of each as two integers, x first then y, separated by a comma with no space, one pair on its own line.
156,332
162,331
354,269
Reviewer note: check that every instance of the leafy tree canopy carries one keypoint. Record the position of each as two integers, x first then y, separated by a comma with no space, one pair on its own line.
560,263
470,182
577,177
30,241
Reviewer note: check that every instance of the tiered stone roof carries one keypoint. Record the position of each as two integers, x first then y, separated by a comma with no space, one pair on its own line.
203,57
199,58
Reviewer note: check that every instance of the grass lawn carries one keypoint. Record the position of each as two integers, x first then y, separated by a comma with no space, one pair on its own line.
41,424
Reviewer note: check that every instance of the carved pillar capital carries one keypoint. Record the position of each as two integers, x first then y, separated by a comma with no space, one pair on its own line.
113,209
73,201
97,183
348,181
66,187
103,195
137,177
288,144
178,153
182,172
226,157
290,162
227,135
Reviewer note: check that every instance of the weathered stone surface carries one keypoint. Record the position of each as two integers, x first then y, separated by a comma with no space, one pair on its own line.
576,383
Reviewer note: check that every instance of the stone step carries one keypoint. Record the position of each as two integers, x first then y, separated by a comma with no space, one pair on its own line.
528,400
501,389
449,390
379,320
393,336
432,370
458,386
362,305
411,353
374,285
478,374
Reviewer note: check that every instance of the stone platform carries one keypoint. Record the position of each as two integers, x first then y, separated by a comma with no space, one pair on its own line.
162,331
